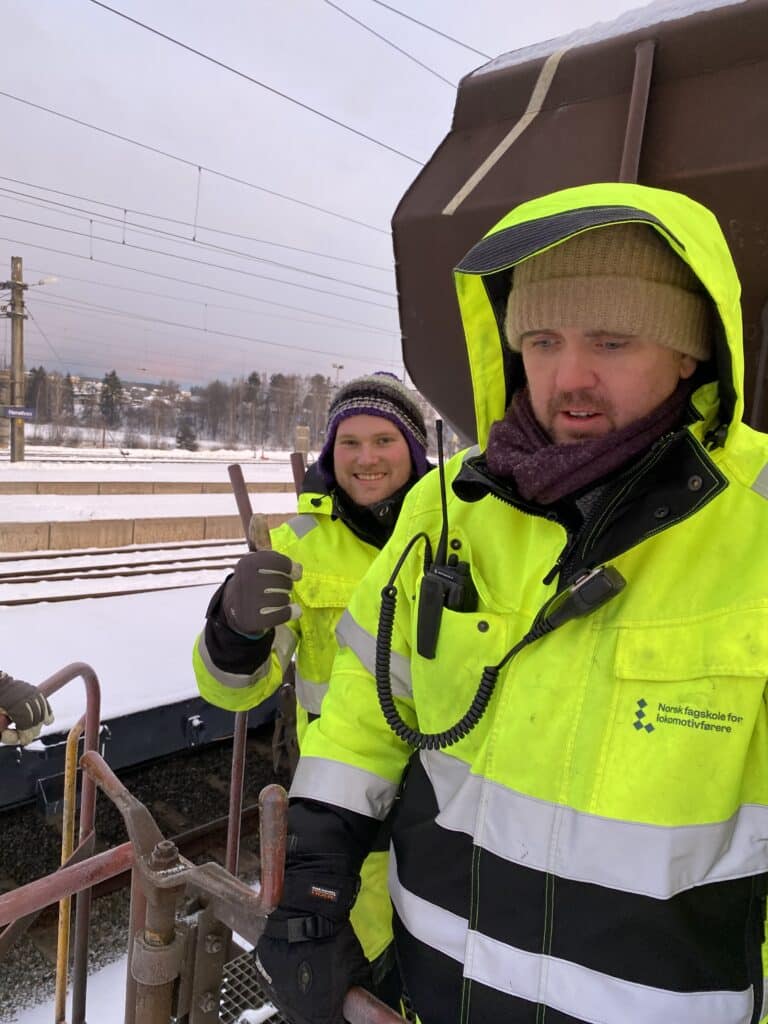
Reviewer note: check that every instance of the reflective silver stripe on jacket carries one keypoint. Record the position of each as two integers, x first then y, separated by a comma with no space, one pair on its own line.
343,786
652,860
761,484
232,680
572,989
284,645
310,695
350,634
303,524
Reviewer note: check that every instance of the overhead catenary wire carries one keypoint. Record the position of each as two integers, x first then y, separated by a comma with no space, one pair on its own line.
339,323
169,277
192,327
47,340
231,335
69,302
216,266
431,28
255,81
125,210
105,220
389,42
195,164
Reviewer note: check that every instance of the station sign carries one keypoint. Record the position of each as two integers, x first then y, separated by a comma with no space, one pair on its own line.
18,412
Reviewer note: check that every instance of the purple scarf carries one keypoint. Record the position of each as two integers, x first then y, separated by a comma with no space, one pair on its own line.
544,472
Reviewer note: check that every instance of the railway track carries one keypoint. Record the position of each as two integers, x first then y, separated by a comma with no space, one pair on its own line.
92,573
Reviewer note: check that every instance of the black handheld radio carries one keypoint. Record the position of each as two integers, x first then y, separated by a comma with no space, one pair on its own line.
447,582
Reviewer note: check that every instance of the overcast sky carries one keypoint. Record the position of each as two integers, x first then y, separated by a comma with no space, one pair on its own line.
299,290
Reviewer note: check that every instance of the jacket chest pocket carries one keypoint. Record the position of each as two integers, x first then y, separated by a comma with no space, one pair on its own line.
688,725
444,687
323,599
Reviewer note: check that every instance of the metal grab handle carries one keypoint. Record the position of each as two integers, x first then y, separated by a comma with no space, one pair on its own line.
242,498
299,470
240,732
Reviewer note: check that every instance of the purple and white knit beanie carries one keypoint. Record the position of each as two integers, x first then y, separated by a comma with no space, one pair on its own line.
380,394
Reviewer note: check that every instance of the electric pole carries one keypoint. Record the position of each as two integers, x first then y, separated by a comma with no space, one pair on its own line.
15,311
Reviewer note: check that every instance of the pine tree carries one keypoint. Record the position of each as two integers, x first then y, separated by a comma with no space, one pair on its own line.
185,435
68,398
111,399
37,396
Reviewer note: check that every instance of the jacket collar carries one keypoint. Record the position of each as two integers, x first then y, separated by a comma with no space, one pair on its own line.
673,480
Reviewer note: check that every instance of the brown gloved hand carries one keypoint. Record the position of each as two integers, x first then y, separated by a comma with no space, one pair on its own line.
257,597
27,709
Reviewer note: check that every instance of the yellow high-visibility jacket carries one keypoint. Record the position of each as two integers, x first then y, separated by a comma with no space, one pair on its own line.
596,848
333,560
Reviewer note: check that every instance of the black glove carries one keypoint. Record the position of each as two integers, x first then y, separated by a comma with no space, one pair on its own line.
257,597
308,980
309,955
26,707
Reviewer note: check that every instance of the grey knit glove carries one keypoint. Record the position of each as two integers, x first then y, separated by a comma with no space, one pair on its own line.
257,597
26,707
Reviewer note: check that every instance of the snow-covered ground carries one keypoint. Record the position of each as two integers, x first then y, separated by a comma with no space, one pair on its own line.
140,647
65,508
145,465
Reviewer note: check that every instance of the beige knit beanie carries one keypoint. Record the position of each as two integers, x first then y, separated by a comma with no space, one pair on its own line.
622,278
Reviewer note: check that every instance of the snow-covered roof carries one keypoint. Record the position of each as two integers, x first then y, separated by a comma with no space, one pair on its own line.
630,21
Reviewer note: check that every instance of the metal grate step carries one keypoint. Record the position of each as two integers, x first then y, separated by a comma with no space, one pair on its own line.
240,991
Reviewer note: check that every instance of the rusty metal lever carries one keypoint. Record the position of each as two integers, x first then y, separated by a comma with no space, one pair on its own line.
162,873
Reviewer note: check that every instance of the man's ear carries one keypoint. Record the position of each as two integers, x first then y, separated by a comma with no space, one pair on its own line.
687,365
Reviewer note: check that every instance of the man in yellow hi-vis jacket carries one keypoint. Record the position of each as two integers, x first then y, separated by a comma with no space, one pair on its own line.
375,449
571,711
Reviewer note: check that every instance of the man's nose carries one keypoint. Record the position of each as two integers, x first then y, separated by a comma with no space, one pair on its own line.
366,455
575,370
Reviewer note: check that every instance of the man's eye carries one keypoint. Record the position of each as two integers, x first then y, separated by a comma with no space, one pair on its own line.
613,344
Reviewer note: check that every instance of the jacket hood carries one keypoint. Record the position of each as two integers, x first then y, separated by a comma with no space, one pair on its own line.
484,276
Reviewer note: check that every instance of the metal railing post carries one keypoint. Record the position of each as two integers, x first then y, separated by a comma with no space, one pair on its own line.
67,846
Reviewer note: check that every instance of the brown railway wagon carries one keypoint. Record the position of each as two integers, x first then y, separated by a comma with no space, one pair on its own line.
679,104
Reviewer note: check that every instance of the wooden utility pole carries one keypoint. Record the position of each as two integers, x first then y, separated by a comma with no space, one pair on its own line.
15,311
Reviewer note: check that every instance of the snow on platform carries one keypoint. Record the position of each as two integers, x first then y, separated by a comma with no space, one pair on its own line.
41,508
140,647
145,466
